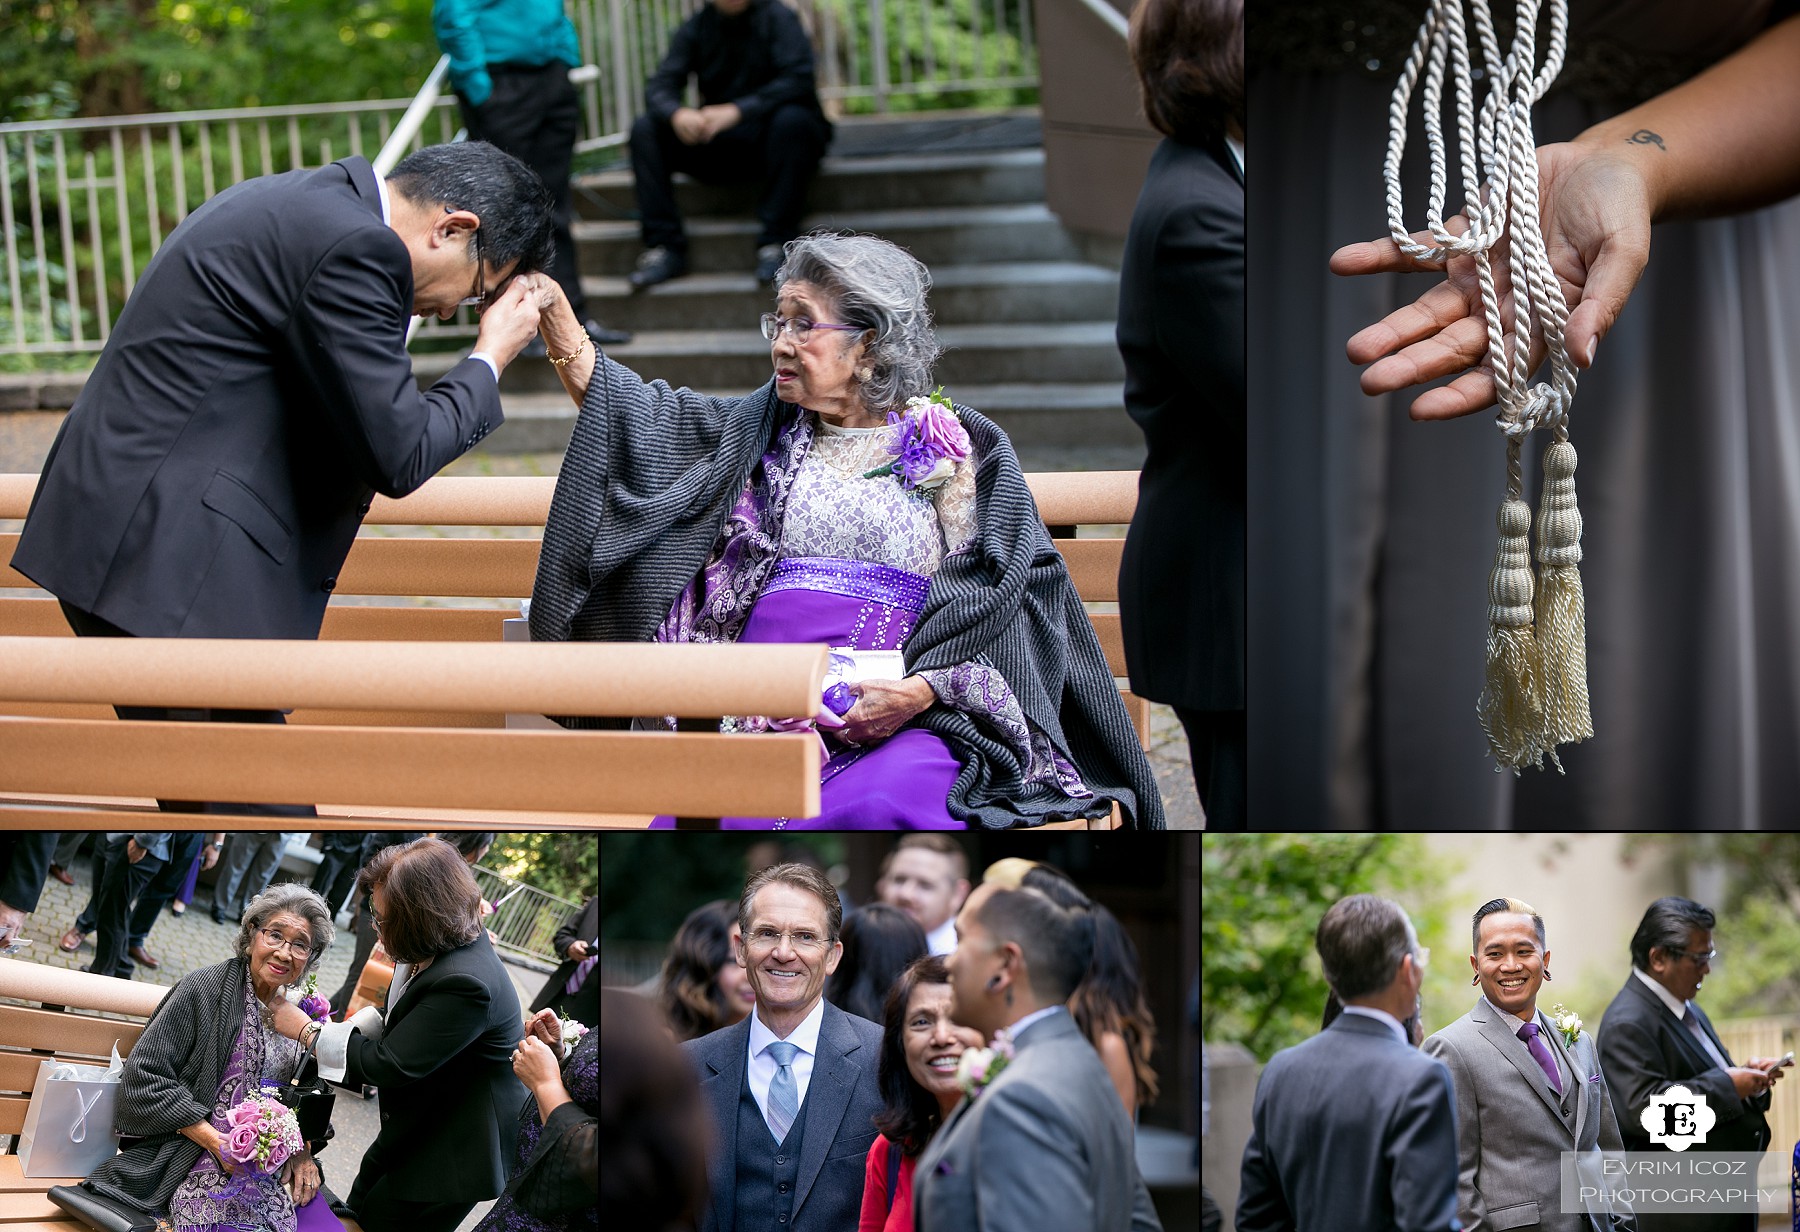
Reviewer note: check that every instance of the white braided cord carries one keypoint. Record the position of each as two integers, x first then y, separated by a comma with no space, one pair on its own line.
1500,178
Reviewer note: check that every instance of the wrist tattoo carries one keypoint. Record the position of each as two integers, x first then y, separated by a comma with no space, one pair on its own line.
1644,136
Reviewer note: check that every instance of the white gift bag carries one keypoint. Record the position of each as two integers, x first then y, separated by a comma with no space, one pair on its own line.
69,1126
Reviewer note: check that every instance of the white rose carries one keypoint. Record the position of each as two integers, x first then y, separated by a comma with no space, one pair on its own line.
939,473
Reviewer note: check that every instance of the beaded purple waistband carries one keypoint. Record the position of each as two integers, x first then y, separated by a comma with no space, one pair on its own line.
856,578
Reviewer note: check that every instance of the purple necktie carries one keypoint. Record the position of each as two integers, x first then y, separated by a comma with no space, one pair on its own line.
581,973
1540,1052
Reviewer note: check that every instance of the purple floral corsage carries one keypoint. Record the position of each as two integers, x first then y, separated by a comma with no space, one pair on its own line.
311,1003
931,443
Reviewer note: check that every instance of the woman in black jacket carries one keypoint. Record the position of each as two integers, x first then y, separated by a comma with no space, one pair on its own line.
441,1053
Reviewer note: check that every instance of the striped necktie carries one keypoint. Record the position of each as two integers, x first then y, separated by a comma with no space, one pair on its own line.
784,1094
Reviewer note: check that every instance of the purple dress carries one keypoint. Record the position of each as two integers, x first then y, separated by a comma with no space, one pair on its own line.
560,1169
853,567
208,1200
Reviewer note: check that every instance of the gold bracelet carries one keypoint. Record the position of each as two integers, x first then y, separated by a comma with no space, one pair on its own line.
560,360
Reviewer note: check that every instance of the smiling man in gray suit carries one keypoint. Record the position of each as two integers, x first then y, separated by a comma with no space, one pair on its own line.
1045,1146
1524,1094
793,1087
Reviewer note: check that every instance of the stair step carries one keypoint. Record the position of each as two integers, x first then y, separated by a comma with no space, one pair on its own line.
1065,416
949,235
985,177
1005,291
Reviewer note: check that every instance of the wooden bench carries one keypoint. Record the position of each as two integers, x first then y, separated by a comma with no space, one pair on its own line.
340,710
30,1035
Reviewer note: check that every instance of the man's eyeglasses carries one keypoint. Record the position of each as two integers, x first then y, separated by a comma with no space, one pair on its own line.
798,328
769,938
301,947
1711,956
478,294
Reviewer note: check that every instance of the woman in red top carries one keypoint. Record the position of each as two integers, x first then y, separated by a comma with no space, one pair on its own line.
920,1047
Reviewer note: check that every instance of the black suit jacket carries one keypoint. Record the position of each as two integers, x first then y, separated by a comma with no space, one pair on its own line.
842,1099
449,1098
1181,332
253,394
24,863
584,925
1351,1130
1644,1050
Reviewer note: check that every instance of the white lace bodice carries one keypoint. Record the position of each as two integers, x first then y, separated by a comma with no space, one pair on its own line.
834,511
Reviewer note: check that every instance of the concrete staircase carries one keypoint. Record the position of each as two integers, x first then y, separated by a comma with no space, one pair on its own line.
1026,323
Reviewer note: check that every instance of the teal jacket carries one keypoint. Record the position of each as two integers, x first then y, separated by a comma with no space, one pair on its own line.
477,33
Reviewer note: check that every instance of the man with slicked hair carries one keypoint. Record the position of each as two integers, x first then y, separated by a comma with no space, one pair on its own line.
794,1087
1654,1036
1355,1129
1044,1144
1527,1091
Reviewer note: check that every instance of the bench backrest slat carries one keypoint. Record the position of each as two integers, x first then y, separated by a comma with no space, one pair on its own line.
688,774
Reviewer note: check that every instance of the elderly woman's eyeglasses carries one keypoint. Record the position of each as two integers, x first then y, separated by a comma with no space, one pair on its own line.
798,328
300,946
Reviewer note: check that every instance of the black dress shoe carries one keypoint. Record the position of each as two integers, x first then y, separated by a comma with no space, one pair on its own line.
218,917
605,337
657,265
768,262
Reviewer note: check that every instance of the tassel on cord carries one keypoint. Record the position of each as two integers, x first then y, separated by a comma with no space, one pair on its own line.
1511,705
1561,606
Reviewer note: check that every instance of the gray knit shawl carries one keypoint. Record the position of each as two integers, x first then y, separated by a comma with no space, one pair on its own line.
171,1081
650,476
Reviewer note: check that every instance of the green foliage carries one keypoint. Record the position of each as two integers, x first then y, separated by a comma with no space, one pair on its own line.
1262,896
648,884
952,39
564,863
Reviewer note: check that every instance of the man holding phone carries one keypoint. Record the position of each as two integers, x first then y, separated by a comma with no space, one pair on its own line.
1654,1036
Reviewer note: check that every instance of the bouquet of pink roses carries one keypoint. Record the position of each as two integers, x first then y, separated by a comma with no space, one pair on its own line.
262,1133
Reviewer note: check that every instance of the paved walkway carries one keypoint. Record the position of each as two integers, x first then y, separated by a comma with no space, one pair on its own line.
191,941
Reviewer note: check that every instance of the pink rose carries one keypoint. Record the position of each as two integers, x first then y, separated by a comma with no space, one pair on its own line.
939,428
240,1144
241,1114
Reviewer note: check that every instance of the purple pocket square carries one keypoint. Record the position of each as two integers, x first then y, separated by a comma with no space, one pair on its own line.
943,1168
1593,1077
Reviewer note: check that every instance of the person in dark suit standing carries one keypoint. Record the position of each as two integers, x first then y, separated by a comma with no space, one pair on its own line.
1654,1036
574,988
1181,333
1355,1128
24,862
441,1053
256,393
794,1087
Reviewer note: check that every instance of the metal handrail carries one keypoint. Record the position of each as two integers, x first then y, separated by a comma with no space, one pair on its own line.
1108,14
528,917
412,122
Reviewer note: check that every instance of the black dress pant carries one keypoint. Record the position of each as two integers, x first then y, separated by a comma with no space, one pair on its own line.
117,884
780,150
377,1210
534,114
184,846
1216,742
86,624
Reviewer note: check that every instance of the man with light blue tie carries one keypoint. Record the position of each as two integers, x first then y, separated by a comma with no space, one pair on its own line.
793,1087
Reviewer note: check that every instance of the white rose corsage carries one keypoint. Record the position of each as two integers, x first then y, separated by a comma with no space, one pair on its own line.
1568,1023
979,1066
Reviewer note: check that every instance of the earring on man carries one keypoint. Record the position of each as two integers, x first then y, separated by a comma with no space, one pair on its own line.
1474,980
1546,973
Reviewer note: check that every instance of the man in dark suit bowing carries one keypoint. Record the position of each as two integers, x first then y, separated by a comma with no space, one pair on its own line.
1654,1036
1181,334
1355,1128
792,1088
256,392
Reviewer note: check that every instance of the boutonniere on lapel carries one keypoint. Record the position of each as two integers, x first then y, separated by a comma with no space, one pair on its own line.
979,1066
1568,1023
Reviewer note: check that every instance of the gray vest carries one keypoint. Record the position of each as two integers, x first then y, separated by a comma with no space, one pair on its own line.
766,1173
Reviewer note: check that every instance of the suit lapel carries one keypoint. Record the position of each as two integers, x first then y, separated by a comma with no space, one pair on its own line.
827,1097
1578,1075
1493,1029
1706,1026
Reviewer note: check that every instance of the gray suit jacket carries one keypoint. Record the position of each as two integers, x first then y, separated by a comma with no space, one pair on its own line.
1512,1128
1045,1147
1354,1131
842,1099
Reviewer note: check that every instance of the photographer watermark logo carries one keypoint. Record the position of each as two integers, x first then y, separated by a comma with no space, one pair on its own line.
1678,1118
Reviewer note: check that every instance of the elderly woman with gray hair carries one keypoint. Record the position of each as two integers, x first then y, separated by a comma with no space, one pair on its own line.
845,502
208,1045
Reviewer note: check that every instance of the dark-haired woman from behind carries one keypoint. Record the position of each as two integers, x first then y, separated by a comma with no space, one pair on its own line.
879,943
1108,1004
920,1047
703,989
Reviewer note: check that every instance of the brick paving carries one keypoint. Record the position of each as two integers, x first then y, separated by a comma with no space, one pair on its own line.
190,941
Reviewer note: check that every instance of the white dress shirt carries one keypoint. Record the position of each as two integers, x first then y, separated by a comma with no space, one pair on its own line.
1680,1010
1383,1017
1013,1031
942,939
762,1066
333,1047
1237,151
